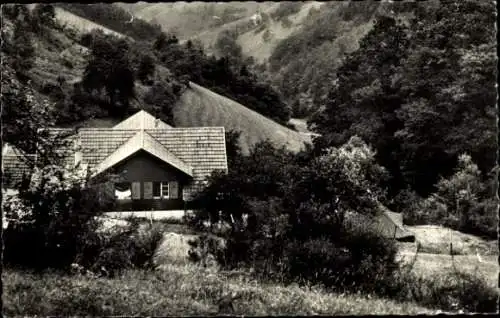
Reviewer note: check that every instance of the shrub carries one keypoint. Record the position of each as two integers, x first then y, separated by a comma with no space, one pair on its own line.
463,202
51,218
111,252
451,291
345,263
290,218
208,250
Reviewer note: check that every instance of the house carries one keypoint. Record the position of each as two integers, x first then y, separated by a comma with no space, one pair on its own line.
156,166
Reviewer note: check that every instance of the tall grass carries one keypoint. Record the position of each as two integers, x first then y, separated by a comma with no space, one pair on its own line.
178,290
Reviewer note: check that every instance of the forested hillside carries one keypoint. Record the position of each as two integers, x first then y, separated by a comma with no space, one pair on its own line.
225,75
96,77
298,46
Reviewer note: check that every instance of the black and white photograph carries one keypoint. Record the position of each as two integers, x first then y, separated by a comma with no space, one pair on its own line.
243,158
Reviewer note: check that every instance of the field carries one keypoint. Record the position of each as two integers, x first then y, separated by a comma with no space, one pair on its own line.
436,239
428,265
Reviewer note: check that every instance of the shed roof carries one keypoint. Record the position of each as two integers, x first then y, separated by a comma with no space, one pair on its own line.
390,224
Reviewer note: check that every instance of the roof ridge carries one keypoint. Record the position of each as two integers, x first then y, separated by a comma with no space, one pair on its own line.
138,129
139,142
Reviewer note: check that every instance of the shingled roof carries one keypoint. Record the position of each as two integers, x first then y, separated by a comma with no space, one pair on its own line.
143,141
196,151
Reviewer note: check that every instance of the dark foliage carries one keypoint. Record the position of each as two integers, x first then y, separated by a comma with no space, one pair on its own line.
110,252
49,221
109,68
161,98
19,50
285,9
398,91
284,210
225,76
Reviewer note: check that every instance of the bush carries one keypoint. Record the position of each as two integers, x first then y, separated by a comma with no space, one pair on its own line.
289,215
345,263
208,250
452,291
463,202
111,252
50,219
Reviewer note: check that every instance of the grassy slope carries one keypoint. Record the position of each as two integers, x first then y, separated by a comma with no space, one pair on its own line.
188,19
177,290
436,239
253,44
175,16
81,24
197,106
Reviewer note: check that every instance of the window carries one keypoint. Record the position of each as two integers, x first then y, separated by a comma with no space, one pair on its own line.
123,191
160,190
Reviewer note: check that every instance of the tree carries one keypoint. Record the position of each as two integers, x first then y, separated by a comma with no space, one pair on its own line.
464,201
285,210
43,15
233,149
420,94
109,67
23,113
20,48
161,98
163,40
146,67
449,82
227,46
366,95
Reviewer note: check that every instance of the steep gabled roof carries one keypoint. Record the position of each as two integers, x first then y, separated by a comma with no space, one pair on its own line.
143,141
142,120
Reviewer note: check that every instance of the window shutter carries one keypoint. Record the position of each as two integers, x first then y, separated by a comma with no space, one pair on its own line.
148,190
136,190
173,188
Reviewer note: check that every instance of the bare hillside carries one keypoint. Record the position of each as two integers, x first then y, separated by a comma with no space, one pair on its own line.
188,19
202,21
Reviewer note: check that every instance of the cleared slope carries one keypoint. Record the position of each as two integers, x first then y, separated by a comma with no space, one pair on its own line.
81,24
257,45
199,106
188,19
196,20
